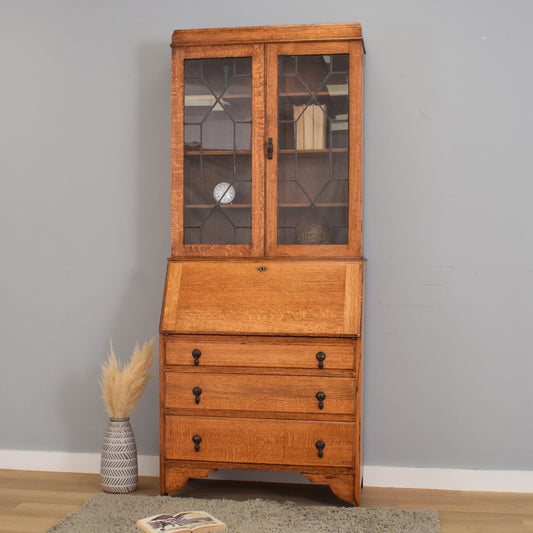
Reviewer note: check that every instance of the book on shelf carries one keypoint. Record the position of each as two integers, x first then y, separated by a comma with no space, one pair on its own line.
184,522
310,127
319,128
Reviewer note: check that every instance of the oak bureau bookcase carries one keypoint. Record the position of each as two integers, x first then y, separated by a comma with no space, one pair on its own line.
261,323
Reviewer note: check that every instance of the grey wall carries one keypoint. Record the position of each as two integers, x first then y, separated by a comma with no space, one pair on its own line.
85,216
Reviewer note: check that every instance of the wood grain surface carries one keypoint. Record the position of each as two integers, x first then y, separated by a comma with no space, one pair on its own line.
31,502
303,298
262,34
256,315
260,441
254,352
260,393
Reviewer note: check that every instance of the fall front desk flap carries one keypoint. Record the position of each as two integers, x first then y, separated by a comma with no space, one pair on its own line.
267,297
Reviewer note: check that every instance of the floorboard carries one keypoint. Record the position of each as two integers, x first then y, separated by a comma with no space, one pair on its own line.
31,502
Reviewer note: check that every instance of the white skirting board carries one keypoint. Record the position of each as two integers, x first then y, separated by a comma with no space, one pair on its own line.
88,463
373,476
449,479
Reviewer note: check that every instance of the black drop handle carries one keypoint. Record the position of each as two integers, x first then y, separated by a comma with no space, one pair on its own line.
320,445
197,439
197,391
320,357
196,353
320,396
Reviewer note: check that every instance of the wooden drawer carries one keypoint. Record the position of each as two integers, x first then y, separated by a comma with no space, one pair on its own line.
269,442
257,352
263,297
259,393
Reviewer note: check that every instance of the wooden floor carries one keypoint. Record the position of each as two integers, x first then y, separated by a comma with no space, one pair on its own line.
31,502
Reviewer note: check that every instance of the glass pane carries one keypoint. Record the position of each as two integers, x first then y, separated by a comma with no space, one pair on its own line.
218,161
313,149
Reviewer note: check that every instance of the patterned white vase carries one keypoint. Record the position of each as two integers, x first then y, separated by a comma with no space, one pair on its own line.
118,465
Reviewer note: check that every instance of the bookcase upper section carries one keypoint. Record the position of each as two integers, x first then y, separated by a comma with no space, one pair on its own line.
267,141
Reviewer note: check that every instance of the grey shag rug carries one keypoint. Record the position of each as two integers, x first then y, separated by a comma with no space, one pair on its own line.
117,513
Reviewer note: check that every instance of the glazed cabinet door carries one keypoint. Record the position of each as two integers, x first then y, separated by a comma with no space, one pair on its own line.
314,169
218,150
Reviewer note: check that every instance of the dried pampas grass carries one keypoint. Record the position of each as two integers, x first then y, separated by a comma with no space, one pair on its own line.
122,386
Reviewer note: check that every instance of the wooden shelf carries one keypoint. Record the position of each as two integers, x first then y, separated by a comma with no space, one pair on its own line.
235,96
336,205
299,94
314,151
248,206
224,206
211,97
217,152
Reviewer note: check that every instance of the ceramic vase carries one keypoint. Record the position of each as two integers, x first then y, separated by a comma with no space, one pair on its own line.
118,465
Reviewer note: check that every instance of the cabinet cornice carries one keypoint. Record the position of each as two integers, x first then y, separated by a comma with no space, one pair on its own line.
268,34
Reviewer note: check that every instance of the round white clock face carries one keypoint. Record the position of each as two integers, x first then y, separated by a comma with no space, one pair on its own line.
224,193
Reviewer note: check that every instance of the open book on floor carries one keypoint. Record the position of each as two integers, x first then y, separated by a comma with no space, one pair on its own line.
185,522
